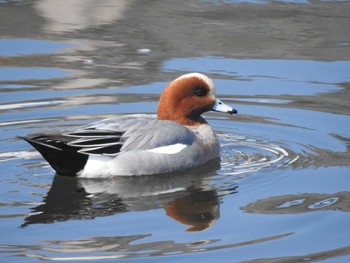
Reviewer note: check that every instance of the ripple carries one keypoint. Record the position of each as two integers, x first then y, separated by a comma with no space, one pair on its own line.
324,203
244,155
114,247
8,156
29,105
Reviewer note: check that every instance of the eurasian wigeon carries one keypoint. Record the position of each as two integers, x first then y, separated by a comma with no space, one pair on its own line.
177,138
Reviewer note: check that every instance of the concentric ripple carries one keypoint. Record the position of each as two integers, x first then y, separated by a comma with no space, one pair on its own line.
240,154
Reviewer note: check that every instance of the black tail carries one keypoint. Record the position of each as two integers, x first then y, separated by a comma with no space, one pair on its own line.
63,158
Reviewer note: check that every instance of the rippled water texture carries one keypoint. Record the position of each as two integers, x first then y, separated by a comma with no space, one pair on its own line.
281,191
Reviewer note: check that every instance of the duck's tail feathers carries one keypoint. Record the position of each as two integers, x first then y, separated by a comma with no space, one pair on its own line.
63,158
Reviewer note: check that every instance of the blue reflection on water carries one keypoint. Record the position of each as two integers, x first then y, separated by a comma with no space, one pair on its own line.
300,70
15,47
14,73
264,86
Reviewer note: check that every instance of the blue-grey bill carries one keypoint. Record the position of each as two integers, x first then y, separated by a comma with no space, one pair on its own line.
222,107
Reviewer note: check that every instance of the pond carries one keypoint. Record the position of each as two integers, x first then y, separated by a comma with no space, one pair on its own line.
281,191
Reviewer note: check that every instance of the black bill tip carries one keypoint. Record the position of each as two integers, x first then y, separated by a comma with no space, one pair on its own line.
233,112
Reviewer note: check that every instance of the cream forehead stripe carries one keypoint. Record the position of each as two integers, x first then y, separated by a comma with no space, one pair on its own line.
203,77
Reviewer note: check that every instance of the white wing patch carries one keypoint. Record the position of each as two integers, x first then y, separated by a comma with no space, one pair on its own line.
169,149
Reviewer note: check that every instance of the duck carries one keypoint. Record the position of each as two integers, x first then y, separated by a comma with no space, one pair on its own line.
175,139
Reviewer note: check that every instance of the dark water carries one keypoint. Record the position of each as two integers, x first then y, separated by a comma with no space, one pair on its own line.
281,192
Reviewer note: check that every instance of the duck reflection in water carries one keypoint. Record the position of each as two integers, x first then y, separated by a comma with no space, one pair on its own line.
186,197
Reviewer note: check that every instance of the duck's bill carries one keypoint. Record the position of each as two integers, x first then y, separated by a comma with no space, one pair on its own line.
222,107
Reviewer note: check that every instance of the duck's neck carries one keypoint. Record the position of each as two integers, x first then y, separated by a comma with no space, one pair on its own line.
181,119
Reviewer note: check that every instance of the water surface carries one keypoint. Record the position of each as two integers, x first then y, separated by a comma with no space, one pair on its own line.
281,190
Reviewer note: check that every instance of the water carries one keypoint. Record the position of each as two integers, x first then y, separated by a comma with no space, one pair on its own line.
281,191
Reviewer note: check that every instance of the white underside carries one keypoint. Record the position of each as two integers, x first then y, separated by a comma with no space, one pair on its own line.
96,166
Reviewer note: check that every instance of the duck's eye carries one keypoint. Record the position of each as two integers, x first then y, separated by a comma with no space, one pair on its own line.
200,91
